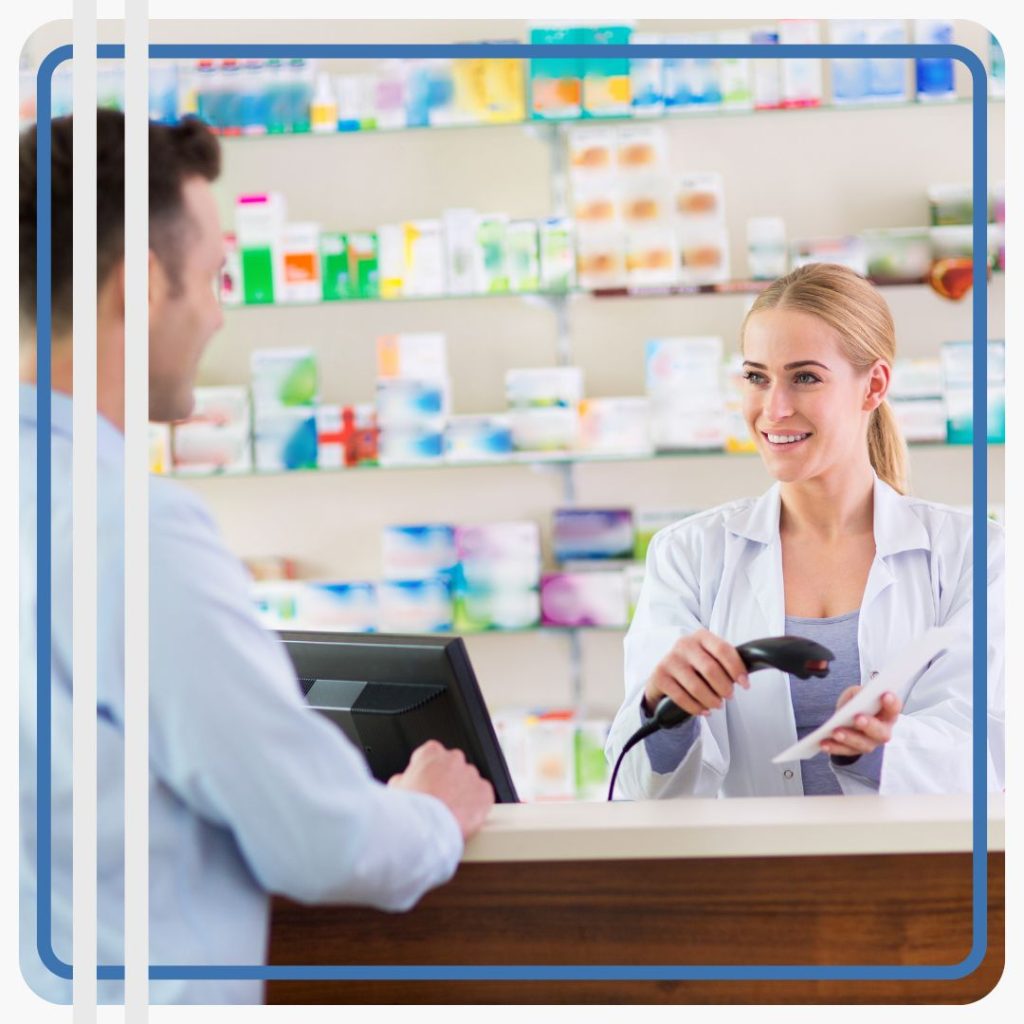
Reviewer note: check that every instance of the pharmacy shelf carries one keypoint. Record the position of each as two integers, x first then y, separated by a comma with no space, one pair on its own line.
745,287
531,460
299,626
548,127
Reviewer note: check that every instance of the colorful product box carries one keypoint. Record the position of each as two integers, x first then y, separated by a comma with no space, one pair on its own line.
543,387
801,77
285,438
277,603
410,445
230,281
735,74
647,522
557,255
523,256
334,266
596,598
418,552
957,365
408,402
420,355
692,82
415,606
259,224
478,438
606,80
591,533
300,263
284,376
634,585
921,419
544,429
423,258
391,260
601,258
916,378
849,251
460,228
935,76
499,555
556,83
897,255
363,265
686,365
492,253
615,425
591,154
767,72
338,606
330,437
646,79
480,608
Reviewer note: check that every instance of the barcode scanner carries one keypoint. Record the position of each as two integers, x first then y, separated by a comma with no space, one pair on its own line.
796,655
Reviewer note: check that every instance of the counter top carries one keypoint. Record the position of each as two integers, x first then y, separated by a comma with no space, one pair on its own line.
755,827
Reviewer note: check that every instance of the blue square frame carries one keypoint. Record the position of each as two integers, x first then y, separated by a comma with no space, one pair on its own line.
528,972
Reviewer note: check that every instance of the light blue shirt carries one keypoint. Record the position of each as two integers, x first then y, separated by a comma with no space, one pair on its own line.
250,791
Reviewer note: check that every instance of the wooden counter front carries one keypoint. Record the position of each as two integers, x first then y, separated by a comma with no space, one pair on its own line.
886,907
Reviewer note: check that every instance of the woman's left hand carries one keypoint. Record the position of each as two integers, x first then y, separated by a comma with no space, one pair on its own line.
867,732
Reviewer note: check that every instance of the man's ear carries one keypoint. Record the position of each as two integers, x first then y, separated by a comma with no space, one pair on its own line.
879,378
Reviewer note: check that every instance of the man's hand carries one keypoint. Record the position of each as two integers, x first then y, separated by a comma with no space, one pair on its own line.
445,774
867,731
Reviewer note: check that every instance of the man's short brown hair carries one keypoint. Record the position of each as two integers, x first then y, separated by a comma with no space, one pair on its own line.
176,153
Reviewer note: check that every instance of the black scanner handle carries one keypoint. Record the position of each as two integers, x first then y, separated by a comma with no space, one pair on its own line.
794,654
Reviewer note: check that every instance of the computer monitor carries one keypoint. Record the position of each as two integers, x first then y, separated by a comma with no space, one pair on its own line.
389,694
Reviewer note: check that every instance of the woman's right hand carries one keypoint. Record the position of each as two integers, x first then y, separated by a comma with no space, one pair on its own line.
699,674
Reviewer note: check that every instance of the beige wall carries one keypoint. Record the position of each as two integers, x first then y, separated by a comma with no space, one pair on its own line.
825,172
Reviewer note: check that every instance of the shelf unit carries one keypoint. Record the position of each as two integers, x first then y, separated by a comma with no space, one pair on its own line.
711,129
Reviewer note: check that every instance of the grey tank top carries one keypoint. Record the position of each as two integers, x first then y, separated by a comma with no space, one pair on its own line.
814,700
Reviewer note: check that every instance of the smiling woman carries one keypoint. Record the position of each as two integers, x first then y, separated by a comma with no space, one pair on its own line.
837,552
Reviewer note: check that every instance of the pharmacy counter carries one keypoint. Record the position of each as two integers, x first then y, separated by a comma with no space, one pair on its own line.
866,881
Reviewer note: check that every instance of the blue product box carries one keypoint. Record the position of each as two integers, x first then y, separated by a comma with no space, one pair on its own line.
593,533
415,606
418,552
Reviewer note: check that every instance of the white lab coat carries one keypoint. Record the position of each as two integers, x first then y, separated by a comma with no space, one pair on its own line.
722,569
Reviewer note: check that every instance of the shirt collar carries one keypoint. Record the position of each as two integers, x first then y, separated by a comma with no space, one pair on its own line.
897,528
109,440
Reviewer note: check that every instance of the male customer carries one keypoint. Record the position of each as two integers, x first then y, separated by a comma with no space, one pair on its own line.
250,792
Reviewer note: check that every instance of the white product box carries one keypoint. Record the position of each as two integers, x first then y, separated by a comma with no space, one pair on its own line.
460,226
424,258
421,355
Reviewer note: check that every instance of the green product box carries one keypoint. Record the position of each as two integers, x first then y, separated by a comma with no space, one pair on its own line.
363,272
492,241
257,275
334,266
590,762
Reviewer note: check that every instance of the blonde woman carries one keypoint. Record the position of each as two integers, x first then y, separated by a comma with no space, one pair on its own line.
835,551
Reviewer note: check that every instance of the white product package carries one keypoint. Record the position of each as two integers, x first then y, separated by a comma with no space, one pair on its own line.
897,677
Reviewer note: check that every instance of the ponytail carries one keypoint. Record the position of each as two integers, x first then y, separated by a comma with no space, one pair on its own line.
886,448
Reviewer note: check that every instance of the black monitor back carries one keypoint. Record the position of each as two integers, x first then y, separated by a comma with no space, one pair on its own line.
391,693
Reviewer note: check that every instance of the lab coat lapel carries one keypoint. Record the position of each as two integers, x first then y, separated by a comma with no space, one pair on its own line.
767,724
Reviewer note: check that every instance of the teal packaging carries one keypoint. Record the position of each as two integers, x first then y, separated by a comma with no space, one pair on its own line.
606,80
556,83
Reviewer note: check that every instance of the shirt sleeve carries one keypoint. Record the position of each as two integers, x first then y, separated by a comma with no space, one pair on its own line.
231,735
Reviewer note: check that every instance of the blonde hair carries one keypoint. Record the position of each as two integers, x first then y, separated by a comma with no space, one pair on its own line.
855,309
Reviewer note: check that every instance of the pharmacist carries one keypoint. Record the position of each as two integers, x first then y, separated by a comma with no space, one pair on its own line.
835,551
